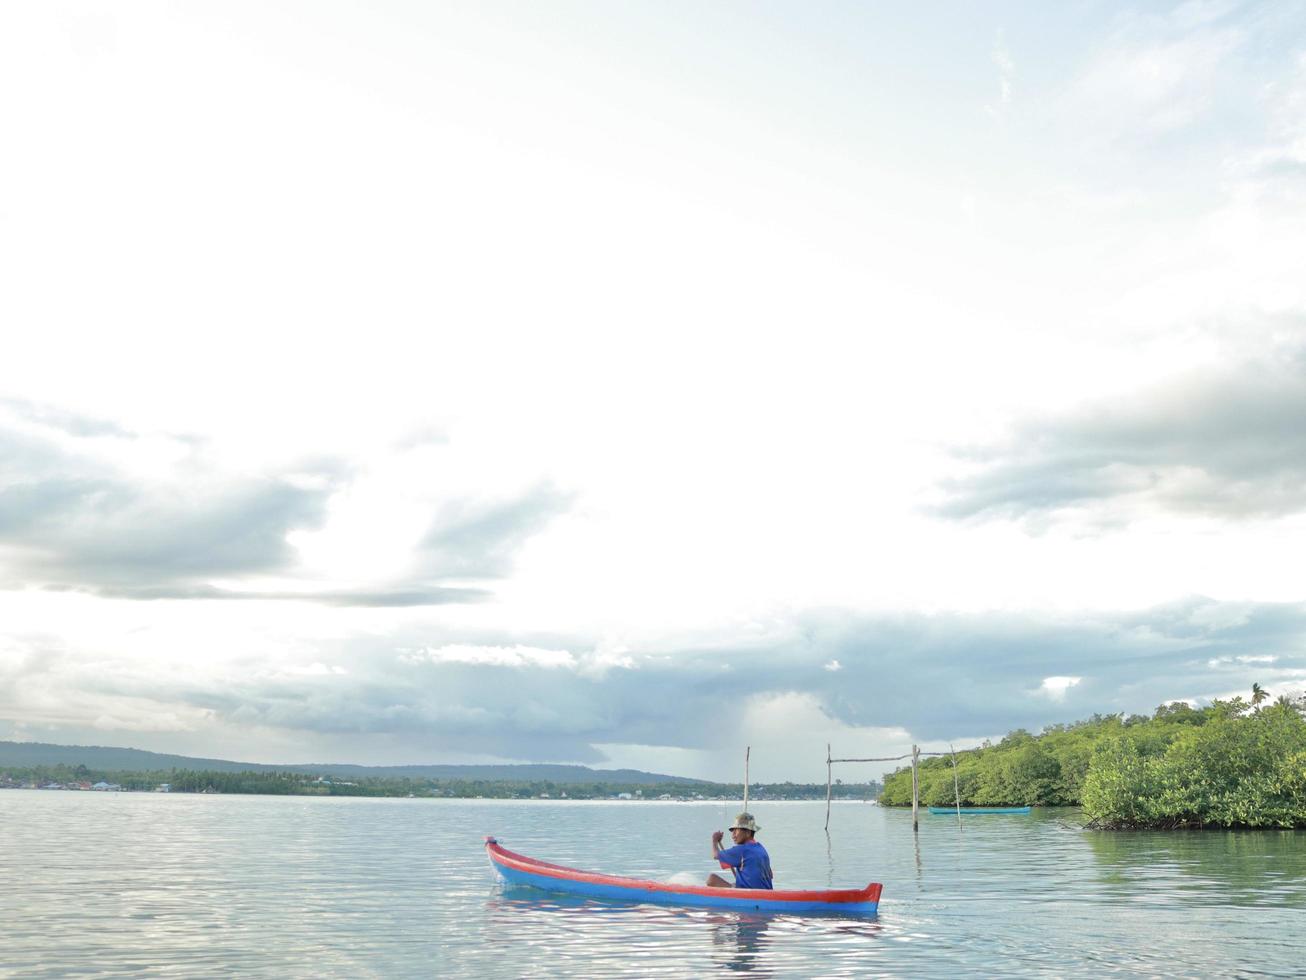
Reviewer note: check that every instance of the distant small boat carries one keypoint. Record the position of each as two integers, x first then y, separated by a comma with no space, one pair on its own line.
944,810
517,869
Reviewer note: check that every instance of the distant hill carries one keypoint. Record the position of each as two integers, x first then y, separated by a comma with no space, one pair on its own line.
27,754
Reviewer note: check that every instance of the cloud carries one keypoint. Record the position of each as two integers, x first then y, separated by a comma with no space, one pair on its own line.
937,677
494,656
374,598
1156,74
1226,444
88,503
73,423
110,531
1281,155
1055,688
477,538
1216,663
1006,73
90,506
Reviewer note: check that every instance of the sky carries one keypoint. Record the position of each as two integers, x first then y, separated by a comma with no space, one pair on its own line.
630,384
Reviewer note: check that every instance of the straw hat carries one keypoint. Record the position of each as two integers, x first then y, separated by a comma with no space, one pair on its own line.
745,821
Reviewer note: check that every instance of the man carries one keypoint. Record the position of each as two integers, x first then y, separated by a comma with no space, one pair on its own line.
747,859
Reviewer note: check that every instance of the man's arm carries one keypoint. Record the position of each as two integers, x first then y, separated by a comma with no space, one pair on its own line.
726,857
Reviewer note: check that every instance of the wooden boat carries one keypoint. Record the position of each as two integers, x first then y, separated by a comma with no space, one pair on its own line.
967,810
517,869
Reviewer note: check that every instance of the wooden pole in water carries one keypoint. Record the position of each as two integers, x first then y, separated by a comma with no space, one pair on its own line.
915,788
827,785
747,751
956,786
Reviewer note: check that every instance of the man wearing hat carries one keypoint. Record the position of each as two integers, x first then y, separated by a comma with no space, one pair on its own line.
747,859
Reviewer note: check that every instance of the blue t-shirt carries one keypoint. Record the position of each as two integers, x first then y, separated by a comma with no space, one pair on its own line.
750,863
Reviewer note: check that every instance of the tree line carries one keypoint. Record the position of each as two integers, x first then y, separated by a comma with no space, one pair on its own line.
279,783
1235,763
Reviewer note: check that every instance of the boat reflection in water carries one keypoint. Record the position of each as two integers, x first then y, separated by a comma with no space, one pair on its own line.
738,940
640,938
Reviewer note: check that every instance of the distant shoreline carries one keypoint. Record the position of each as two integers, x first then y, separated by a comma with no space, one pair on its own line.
80,778
617,799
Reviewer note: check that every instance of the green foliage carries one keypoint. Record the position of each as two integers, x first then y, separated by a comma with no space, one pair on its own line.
1233,764
1124,780
1180,711
1039,770
1236,771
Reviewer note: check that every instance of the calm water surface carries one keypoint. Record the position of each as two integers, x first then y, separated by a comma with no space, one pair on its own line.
100,884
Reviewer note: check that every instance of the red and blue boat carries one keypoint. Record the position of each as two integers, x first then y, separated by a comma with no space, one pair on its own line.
518,869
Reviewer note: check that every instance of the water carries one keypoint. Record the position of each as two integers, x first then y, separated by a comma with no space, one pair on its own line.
101,884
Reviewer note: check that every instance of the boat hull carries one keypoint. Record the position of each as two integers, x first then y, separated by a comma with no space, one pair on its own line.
967,810
517,869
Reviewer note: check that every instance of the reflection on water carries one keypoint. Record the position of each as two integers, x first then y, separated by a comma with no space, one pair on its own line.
1253,868
133,884
753,942
740,938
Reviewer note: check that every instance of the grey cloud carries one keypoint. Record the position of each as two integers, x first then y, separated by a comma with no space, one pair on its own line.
433,595
72,423
70,521
29,457
949,675
939,677
451,710
1228,444
478,539
104,531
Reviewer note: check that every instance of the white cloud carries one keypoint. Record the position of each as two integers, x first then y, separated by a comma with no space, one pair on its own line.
1055,688
1001,57
494,656
1240,661
315,669
1143,88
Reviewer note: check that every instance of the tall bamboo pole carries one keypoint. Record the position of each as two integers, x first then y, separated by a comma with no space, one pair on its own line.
915,788
956,786
747,751
827,785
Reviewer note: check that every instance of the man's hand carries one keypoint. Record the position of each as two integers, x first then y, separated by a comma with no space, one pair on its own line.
717,836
